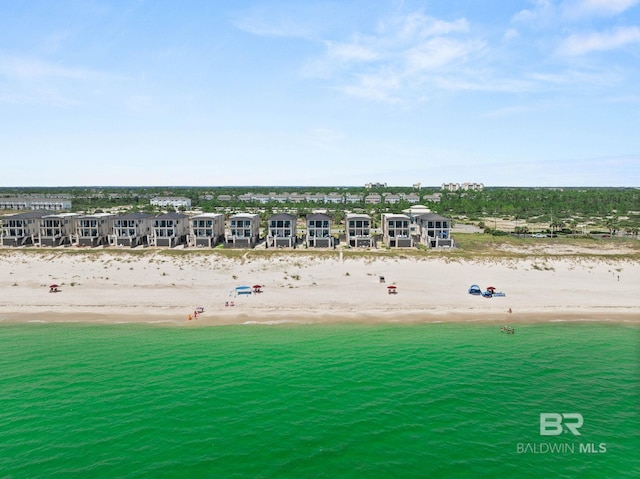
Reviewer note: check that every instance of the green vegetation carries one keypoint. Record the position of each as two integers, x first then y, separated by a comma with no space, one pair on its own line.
477,246
570,211
564,210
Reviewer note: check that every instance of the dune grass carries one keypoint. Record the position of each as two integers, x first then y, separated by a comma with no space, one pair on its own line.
470,246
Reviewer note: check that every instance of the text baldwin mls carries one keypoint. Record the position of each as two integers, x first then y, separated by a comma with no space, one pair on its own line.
554,424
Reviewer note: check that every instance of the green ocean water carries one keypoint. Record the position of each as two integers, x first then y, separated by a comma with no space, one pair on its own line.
317,401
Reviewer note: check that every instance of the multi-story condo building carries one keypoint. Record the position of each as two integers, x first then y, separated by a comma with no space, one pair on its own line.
169,230
434,230
93,230
131,229
282,230
319,231
358,230
244,230
206,230
47,204
396,231
56,229
174,201
20,229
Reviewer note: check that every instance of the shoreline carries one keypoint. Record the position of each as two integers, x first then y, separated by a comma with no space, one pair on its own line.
319,318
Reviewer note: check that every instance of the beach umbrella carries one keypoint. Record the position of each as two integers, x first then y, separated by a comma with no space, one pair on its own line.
54,286
391,287
491,288
257,286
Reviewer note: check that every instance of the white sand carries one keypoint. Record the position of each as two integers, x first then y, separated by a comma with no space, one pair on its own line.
158,288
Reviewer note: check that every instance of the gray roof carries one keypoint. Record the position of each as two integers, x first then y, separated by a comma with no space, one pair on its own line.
431,217
171,216
319,216
134,216
27,215
282,216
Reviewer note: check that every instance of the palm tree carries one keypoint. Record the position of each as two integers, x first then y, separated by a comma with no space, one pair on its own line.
555,226
612,225
574,227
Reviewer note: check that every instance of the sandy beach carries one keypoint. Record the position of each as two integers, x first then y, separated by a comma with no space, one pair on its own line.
165,287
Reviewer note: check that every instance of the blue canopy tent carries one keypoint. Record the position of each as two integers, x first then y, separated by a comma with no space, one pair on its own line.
475,289
243,290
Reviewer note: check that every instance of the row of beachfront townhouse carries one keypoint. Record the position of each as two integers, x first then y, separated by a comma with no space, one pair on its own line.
462,186
48,203
329,198
208,230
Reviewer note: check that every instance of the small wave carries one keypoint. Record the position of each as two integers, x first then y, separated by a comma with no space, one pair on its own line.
277,321
36,321
161,321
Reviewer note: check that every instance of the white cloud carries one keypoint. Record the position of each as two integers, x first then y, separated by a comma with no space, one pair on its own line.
547,13
351,52
418,25
299,20
398,58
580,44
438,52
474,80
381,86
510,34
32,68
581,8
577,77
543,11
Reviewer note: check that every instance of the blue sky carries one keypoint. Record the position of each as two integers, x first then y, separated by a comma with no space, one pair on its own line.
159,92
